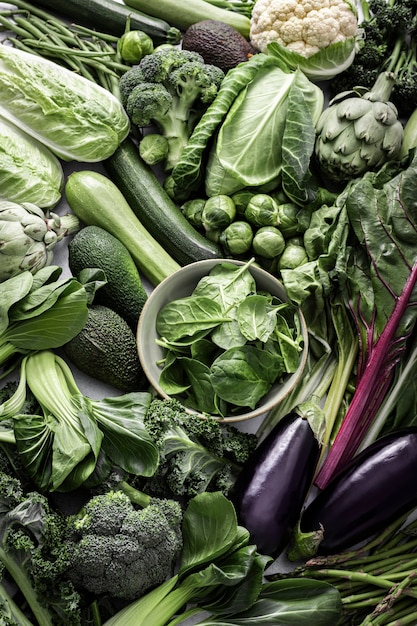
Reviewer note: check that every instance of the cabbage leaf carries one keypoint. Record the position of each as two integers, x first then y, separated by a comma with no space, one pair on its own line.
29,172
74,117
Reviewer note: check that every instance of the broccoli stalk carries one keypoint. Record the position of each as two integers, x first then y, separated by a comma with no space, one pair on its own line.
170,88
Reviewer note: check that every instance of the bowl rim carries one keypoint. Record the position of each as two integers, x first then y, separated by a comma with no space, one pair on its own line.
261,409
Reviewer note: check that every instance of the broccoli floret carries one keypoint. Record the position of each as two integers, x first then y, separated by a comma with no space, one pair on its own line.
170,89
119,550
196,454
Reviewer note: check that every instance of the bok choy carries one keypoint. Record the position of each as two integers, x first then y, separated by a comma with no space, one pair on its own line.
40,311
61,447
74,117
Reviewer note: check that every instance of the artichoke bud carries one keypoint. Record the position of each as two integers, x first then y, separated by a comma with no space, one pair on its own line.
27,237
363,125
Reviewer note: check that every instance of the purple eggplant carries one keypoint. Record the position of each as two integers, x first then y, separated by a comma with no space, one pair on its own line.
271,488
376,488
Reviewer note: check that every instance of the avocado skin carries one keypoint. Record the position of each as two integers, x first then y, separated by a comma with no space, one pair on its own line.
124,292
218,43
106,350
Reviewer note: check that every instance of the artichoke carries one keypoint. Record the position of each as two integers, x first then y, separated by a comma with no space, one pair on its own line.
359,131
28,236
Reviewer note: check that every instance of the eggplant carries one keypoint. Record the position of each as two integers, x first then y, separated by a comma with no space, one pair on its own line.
270,490
376,488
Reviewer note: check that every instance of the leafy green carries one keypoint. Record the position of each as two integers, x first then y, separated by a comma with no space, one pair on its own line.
251,340
71,115
375,272
29,172
291,602
40,312
267,136
75,436
322,65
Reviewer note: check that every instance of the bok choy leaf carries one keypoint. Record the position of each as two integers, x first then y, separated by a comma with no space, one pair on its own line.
40,311
76,438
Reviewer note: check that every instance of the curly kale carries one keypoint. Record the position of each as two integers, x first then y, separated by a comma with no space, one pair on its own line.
196,454
32,555
122,551
170,89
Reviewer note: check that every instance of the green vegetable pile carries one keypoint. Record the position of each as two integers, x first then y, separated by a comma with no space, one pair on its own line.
121,507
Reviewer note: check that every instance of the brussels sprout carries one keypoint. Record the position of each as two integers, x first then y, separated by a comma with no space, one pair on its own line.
153,148
193,211
241,200
288,219
134,45
262,210
237,238
268,242
293,256
219,211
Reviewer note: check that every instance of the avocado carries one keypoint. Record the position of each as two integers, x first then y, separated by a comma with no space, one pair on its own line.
124,292
218,43
106,350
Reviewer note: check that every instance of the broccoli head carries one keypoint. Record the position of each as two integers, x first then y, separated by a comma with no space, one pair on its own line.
119,550
170,88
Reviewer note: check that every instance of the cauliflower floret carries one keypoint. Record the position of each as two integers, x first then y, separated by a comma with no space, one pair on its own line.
304,26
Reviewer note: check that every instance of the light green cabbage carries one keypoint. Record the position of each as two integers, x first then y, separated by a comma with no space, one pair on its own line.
73,116
29,172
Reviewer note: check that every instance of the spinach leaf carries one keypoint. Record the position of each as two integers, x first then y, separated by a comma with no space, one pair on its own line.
242,376
188,316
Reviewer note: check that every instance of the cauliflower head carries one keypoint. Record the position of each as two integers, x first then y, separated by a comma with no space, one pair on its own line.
303,26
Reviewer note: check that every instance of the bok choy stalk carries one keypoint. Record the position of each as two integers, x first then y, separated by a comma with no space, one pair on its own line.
40,312
377,274
61,448
74,117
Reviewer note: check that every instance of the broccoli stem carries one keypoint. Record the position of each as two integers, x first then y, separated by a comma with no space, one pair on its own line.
135,496
41,614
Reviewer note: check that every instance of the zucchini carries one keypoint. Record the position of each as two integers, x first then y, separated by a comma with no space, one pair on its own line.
112,17
155,209
185,14
96,201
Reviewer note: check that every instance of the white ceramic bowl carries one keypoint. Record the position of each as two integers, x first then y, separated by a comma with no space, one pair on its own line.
181,284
